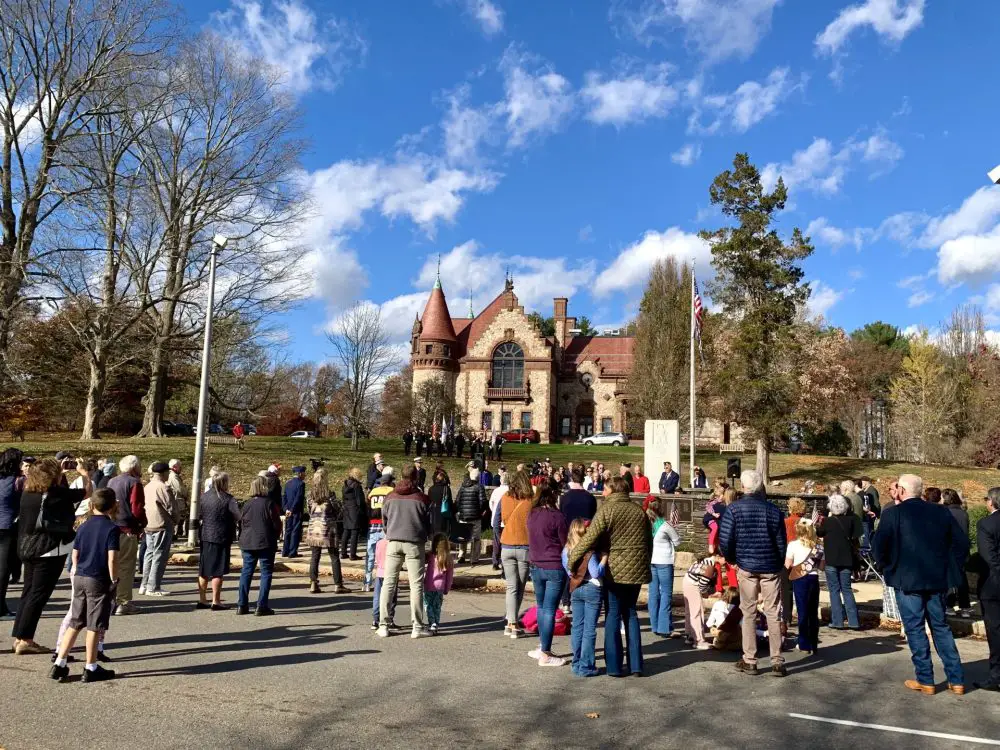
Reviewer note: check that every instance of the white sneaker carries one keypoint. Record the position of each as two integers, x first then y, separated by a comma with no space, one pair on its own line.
142,590
704,646
419,633
536,654
158,592
434,629
551,661
515,634
382,632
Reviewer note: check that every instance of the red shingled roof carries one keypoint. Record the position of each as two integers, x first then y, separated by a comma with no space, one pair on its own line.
614,354
436,320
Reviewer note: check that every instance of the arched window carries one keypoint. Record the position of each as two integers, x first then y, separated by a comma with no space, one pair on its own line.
508,366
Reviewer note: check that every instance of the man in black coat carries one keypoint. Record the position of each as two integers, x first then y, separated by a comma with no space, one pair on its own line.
988,542
407,442
459,444
921,550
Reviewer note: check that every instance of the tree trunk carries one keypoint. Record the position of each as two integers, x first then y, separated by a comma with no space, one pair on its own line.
156,394
95,398
764,460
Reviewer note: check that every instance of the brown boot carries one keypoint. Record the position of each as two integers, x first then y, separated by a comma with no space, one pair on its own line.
314,588
341,589
957,689
925,689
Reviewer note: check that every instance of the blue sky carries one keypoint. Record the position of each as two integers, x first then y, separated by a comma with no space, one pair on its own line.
575,142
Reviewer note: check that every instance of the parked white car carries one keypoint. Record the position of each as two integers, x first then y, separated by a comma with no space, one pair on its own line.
604,438
303,434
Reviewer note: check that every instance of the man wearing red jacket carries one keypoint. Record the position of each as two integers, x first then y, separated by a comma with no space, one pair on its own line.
131,519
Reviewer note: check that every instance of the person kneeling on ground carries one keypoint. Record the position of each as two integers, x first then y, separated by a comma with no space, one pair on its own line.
94,552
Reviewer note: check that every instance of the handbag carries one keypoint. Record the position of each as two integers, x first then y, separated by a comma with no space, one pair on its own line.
55,517
446,503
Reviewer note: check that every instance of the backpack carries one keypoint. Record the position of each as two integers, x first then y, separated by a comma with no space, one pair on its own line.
530,622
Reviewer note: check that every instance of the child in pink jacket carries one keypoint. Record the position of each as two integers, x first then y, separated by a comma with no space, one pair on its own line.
380,549
438,577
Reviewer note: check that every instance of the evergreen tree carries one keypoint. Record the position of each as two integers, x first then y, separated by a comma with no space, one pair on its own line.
660,384
758,282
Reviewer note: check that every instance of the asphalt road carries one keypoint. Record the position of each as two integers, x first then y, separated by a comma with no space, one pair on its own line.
315,676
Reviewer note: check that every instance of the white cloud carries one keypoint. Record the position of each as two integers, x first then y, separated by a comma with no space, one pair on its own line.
537,101
892,20
979,212
630,269
740,110
687,155
821,299
718,29
818,168
631,98
919,297
879,148
310,52
821,168
487,15
466,128
820,230
971,258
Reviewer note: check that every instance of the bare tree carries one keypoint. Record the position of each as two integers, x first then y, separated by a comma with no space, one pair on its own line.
224,160
366,358
60,64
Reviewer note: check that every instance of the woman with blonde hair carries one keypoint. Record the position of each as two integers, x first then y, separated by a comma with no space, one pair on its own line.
514,509
804,561
321,533
796,510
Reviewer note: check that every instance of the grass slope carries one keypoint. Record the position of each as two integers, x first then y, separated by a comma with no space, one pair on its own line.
791,471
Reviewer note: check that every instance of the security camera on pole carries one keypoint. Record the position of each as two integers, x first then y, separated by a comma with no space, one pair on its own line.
218,243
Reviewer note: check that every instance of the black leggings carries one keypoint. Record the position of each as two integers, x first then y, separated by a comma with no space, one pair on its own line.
349,537
40,578
317,553
8,545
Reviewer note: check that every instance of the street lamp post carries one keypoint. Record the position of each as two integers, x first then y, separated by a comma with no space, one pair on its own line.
218,243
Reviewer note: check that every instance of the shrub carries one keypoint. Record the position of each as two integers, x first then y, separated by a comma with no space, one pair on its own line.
977,513
989,454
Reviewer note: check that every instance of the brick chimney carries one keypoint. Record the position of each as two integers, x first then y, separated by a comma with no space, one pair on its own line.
560,305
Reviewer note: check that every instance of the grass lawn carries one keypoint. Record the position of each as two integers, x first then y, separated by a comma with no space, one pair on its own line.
788,471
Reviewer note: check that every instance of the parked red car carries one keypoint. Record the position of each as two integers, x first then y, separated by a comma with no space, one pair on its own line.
522,436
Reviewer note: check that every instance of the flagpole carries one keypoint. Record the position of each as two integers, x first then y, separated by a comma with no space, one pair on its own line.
691,428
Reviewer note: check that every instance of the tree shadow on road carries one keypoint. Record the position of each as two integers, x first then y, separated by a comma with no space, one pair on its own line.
241,665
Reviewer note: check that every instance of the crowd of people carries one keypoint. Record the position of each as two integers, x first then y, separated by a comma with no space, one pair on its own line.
579,533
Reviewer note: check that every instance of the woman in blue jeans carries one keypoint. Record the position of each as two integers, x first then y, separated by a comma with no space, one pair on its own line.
546,538
840,533
661,588
260,525
586,592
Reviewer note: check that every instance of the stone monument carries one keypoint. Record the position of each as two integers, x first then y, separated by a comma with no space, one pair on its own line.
663,443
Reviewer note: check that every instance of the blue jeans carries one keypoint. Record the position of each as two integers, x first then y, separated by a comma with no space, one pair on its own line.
375,603
586,609
806,591
432,605
914,609
661,594
867,532
621,608
250,560
548,590
838,582
375,533
293,535
157,553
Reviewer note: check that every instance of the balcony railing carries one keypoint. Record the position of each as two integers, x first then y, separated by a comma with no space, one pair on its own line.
508,394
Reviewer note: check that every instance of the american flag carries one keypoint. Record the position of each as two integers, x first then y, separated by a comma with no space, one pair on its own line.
699,312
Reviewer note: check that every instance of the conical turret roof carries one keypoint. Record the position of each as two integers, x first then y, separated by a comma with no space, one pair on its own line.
436,321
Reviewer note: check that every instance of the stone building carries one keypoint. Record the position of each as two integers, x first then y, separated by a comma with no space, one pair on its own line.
506,375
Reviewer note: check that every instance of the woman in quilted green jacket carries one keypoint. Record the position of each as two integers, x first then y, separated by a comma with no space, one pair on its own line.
623,527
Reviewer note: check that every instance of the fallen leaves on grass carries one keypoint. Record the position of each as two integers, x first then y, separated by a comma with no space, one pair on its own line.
593,715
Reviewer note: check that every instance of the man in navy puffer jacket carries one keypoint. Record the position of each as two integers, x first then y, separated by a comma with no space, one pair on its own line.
752,536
